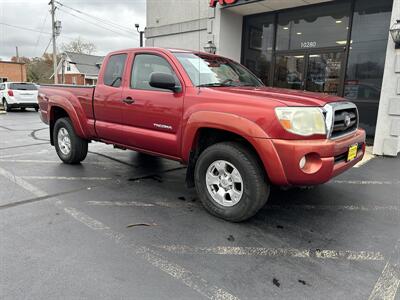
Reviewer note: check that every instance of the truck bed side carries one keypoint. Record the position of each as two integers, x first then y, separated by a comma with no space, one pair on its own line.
76,102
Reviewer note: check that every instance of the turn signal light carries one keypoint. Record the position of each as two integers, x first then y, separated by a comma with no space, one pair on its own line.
10,93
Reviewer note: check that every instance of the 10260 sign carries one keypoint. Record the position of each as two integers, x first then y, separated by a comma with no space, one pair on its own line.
308,44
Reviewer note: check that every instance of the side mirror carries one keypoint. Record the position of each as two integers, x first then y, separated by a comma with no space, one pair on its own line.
163,81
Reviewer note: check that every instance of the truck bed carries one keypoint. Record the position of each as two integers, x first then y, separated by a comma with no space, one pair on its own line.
83,93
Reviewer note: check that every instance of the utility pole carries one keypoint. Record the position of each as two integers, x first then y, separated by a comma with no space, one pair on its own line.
17,53
141,33
53,27
63,69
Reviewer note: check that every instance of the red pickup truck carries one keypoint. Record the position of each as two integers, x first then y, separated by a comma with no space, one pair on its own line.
236,136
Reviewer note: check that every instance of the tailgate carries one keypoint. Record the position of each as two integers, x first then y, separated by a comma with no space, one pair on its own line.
24,92
25,96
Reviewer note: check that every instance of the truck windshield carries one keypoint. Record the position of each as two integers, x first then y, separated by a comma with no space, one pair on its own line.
213,71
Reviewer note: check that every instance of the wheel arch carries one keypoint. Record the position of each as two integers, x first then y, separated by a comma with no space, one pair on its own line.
56,112
207,128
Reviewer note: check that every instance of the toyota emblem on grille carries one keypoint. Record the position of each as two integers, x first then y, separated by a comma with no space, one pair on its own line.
347,120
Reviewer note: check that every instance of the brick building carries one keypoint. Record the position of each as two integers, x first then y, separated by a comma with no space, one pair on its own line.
12,71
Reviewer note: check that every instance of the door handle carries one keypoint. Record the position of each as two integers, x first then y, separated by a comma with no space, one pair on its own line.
128,100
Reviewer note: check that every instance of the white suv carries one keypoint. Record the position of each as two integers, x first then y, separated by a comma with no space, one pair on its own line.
19,95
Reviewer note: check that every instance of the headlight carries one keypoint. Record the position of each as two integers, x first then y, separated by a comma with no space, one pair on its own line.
304,121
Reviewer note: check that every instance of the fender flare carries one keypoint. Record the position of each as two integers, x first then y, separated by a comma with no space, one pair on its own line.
75,113
218,120
243,127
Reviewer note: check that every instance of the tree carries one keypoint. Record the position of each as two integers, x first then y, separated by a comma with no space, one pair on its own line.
21,59
79,46
40,69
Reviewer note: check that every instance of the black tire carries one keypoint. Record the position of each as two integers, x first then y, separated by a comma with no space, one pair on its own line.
36,109
6,106
23,108
256,188
78,148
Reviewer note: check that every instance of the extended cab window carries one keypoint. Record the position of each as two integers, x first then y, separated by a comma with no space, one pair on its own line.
144,65
114,70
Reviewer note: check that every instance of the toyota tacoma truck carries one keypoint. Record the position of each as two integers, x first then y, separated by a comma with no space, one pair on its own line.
236,136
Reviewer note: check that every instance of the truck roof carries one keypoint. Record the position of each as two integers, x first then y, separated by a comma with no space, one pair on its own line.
171,50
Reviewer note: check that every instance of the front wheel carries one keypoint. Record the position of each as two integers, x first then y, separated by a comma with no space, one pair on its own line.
71,149
230,181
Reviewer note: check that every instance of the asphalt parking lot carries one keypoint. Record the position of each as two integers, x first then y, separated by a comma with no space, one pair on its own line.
123,226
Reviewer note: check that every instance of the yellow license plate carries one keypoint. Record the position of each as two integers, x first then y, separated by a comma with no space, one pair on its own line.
352,154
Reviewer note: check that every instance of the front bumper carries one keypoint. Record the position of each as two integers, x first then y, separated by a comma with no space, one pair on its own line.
325,159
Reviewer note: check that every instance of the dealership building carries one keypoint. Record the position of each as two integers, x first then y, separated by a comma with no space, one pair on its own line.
340,47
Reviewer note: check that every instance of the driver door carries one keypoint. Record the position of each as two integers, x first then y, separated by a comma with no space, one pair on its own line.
152,116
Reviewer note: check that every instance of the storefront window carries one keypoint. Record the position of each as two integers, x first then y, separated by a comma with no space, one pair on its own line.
366,62
259,38
305,28
289,72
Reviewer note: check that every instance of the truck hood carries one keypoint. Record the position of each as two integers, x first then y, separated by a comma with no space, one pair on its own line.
286,97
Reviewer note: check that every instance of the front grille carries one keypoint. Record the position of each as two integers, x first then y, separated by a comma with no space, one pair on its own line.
340,127
341,118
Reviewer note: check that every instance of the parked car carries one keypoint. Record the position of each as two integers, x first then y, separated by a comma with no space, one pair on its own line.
19,95
236,136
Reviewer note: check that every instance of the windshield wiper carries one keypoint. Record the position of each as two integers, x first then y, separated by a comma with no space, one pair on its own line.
213,84
221,84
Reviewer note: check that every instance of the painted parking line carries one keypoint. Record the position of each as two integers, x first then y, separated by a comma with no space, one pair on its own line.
176,271
388,283
365,182
24,154
275,252
23,183
36,161
120,203
23,146
334,207
66,178
164,204
171,204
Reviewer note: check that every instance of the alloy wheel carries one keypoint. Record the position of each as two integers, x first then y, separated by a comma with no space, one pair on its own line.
64,141
224,183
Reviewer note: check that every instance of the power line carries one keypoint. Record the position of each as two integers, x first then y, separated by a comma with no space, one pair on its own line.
115,25
41,31
95,24
24,28
44,52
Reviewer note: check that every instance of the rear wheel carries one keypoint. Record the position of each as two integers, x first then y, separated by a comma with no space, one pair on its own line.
71,149
230,181
5,105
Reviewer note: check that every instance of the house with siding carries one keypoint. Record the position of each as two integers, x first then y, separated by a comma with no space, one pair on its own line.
79,68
